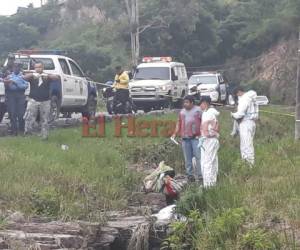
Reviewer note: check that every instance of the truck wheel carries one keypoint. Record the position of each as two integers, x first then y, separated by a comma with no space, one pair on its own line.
90,108
55,108
2,111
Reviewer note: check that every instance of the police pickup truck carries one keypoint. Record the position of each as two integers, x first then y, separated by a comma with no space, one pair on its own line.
72,93
212,84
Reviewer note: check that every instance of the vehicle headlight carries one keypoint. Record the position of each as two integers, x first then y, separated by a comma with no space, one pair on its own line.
164,88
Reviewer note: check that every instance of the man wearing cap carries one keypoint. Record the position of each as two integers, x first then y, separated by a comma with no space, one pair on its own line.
15,94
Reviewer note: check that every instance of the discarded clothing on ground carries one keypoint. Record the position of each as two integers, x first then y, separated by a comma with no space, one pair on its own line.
162,180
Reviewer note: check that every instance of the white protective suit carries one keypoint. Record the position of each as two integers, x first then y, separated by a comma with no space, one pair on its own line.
209,147
247,113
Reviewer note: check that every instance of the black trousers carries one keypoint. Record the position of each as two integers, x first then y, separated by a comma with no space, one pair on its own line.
121,95
16,110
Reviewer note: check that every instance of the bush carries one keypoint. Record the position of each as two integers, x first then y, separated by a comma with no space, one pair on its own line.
193,199
46,202
259,239
207,233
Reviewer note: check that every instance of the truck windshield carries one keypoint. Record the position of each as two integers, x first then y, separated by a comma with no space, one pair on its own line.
196,79
28,63
152,73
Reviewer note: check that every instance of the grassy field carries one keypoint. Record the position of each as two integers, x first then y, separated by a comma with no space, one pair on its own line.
40,178
238,212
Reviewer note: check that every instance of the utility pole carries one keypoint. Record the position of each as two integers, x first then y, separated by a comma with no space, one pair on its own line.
297,123
132,7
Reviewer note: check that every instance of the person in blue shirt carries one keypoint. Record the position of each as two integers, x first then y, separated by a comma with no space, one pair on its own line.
15,87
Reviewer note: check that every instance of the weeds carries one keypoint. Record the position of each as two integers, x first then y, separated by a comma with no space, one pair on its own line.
271,187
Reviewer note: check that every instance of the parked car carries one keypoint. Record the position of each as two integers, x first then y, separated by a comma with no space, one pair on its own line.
211,84
158,83
72,93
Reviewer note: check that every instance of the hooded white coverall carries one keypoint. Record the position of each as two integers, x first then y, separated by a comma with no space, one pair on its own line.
247,114
209,147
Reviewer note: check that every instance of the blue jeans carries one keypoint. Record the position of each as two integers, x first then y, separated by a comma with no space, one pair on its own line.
190,150
16,109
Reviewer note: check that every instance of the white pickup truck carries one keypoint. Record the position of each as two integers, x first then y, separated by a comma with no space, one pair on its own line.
72,93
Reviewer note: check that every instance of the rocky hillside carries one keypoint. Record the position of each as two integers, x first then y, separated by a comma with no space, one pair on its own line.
278,68
274,73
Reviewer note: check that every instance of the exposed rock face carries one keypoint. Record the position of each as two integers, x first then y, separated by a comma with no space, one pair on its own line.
279,67
275,71
116,235
77,10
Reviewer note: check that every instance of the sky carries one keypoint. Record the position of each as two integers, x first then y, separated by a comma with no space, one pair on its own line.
9,7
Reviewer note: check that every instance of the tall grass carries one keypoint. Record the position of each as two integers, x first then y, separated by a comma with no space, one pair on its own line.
269,191
40,178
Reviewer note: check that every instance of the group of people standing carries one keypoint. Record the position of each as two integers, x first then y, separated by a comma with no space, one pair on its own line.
198,128
22,118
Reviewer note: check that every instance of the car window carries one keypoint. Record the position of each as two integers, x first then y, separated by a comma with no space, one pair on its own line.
174,73
178,72
203,79
75,69
152,73
64,66
28,63
221,80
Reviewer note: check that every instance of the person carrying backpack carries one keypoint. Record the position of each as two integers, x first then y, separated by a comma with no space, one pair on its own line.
15,93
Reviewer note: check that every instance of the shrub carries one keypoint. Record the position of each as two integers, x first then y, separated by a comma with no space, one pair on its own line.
207,233
46,202
193,199
259,239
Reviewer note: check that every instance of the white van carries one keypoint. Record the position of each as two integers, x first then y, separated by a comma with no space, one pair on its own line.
159,83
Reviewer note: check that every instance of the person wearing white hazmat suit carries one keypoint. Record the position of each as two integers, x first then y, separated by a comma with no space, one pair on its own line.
246,116
209,143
